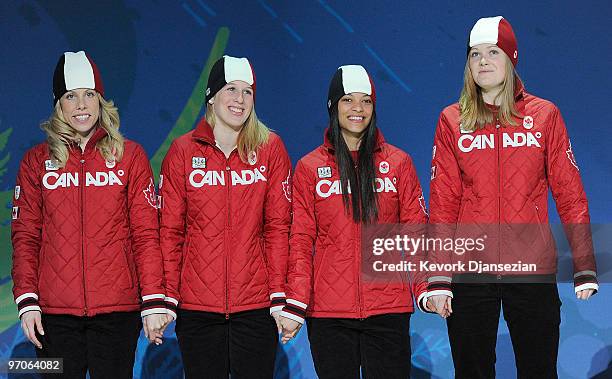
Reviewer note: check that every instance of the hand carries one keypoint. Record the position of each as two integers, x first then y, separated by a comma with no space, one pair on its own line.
154,326
584,294
441,304
277,318
290,329
29,321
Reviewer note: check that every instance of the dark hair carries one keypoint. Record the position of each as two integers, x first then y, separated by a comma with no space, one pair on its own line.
364,202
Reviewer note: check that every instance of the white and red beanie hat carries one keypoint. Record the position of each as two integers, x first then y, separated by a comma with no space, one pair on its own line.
75,70
227,69
349,79
498,31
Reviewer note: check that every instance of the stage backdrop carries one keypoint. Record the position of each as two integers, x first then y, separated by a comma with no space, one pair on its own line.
155,56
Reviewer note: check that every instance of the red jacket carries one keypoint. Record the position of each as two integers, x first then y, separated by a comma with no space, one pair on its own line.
85,237
328,281
494,181
225,224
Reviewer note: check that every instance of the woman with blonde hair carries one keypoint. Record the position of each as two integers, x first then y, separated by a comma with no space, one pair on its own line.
496,153
225,212
86,259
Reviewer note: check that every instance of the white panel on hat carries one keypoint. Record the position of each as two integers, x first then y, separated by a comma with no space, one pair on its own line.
355,79
78,72
237,69
485,30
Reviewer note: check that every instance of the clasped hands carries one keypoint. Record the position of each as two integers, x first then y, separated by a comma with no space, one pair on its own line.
287,327
154,326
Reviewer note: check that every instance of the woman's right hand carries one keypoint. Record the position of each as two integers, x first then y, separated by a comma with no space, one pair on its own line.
31,322
290,329
441,304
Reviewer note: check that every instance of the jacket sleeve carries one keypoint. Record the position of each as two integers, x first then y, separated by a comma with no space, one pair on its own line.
277,219
301,244
444,201
173,211
413,217
26,233
144,229
567,190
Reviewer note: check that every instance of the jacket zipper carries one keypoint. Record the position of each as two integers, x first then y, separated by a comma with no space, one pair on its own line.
499,191
358,245
228,225
357,233
82,205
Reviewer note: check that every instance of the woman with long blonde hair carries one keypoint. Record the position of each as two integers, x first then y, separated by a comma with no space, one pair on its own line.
86,258
496,153
225,212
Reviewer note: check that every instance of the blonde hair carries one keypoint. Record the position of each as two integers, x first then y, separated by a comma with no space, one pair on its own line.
253,134
60,135
474,112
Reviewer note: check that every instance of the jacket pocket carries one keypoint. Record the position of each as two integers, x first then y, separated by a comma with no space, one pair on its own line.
126,261
536,210
41,264
185,258
262,251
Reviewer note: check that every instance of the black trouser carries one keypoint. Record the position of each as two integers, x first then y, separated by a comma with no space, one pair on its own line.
532,312
104,344
244,345
380,345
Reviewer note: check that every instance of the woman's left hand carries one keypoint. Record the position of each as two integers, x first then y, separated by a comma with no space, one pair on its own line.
276,316
584,294
154,326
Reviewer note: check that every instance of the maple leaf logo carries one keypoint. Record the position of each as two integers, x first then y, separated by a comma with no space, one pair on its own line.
570,156
422,204
149,193
287,186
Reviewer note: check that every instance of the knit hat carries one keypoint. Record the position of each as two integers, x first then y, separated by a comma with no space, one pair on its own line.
75,70
228,69
495,30
349,79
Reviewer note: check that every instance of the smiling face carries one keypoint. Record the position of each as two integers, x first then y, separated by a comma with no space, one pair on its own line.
81,109
354,113
488,66
233,104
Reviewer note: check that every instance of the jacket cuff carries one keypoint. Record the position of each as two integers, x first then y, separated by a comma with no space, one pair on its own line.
277,301
421,301
295,310
584,280
152,304
27,302
171,306
438,283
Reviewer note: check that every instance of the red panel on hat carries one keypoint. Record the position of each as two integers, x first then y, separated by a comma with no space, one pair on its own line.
97,77
507,41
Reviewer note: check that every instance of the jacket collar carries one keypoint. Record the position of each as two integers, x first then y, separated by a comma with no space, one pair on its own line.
203,132
97,135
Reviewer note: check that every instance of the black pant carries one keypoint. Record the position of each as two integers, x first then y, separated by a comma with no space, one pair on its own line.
380,345
244,345
532,312
104,344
